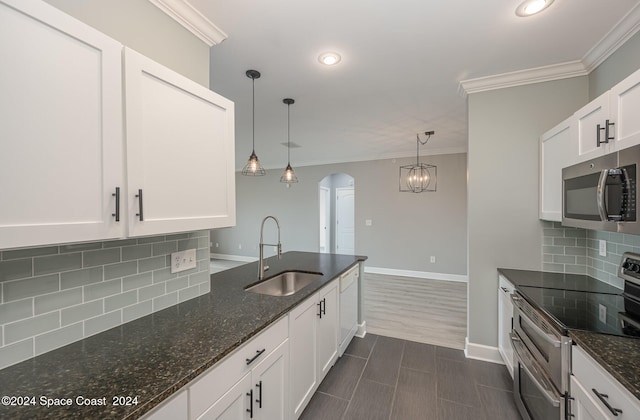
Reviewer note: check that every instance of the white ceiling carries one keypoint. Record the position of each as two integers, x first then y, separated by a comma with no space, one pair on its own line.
402,64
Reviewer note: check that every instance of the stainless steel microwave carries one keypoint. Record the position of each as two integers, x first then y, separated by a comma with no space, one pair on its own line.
600,194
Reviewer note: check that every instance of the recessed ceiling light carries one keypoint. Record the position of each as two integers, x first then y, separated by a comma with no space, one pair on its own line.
329,58
531,7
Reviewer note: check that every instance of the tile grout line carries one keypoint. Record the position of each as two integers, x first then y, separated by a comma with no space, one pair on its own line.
353,393
395,388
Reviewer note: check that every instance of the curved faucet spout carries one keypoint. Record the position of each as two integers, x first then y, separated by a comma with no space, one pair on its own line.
262,268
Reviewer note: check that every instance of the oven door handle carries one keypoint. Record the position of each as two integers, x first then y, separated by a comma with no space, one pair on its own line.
529,365
548,338
601,195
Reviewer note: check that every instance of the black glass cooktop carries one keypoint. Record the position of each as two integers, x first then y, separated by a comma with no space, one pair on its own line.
584,310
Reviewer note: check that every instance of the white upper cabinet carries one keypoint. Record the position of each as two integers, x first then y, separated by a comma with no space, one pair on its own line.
61,133
625,103
180,151
557,151
62,147
592,129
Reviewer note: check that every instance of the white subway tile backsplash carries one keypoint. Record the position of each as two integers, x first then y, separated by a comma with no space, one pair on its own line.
55,295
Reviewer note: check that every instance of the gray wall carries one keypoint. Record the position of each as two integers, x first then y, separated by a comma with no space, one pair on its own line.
619,65
140,25
503,225
407,228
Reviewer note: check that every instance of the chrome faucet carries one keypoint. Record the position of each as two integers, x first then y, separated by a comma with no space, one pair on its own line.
263,267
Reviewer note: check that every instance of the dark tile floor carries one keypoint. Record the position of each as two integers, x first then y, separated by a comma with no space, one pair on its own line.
386,378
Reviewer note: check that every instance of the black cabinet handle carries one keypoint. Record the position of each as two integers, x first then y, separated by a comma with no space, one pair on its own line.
608,124
319,309
598,141
140,215
258,353
259,399
250,409
603,398
324,306
117,196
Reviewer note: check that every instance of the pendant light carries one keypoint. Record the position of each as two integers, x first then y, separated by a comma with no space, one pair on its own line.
253,167
419,177
288,177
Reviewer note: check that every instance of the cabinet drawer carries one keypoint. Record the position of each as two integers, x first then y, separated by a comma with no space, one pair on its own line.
593,376
215,382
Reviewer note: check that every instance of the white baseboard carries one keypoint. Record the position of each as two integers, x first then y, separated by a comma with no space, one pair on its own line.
362,329
418,274
241,258
482,352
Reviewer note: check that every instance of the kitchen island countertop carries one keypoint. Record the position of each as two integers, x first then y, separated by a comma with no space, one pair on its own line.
151,358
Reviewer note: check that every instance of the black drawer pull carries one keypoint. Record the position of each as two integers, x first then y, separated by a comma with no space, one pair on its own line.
117,196
259,399
258,353
250,409
603,398
140,215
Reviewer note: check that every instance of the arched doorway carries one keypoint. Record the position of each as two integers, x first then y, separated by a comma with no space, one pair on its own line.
337,214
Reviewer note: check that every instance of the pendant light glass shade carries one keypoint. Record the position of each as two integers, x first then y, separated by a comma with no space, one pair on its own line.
419,177
253,167
288,177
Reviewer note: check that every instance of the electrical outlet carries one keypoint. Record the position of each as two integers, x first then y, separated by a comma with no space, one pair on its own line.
217,244
602,313
368,222
432,259
603,247
239,246
183,260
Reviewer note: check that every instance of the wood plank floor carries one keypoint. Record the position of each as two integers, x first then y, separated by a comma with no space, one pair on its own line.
390,379
420,310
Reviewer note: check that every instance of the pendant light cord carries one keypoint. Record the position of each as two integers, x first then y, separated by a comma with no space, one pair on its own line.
288,134
253,116
420,142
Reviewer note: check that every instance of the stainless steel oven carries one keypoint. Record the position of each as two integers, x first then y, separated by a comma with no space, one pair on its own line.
542,363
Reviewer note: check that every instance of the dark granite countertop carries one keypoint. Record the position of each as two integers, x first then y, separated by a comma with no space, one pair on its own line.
562,281
620,356
154,356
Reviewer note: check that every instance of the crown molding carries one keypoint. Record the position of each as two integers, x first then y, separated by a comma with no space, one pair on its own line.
614,39
522,77
195,22
628,26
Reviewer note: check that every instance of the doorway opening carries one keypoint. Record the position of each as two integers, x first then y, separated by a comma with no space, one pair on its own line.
337,214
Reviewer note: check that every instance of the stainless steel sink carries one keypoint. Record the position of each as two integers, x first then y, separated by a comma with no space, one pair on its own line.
284,284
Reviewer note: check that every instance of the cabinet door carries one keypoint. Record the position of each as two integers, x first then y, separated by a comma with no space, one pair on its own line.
61,131
625,102
236,404
505,317
583,405
180,151
588,118
328,328
176,408
303,354
271,385
558,149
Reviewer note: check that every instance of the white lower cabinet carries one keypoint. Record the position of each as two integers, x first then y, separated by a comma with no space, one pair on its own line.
595,394
176,407
249,384
505,321
313,335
